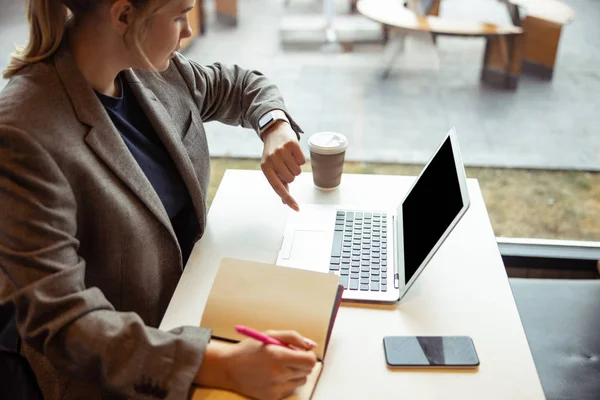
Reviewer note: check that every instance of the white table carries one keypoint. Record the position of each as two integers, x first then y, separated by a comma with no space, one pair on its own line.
464,291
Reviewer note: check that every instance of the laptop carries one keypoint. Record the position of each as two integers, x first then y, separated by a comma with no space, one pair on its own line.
379,254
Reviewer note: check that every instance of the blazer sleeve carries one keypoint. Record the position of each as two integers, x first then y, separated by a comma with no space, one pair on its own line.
235,96
72,325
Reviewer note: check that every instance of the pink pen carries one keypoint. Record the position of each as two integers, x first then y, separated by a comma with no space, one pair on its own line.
261,337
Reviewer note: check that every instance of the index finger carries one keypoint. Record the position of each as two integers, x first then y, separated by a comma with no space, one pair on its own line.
280,188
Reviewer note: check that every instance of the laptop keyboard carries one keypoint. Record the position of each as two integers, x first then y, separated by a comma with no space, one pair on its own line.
359,250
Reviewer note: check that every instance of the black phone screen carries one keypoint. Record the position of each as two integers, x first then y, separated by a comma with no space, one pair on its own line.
430,351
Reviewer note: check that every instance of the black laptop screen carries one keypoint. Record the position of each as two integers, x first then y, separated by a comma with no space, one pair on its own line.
430,208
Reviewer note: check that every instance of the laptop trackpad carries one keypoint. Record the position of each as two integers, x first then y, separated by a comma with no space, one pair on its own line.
310,249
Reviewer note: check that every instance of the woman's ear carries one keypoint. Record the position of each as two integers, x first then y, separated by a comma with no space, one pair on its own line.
122,13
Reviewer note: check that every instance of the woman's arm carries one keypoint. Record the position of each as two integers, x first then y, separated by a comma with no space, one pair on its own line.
237,96
233,95
75,326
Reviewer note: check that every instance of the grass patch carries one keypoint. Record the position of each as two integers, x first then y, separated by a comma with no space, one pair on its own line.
521,203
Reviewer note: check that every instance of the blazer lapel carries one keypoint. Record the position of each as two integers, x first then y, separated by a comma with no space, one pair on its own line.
165,128
104,139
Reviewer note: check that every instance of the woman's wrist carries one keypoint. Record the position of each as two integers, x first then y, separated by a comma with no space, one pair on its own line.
214,372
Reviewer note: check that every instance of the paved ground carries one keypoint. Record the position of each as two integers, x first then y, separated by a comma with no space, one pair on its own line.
540,125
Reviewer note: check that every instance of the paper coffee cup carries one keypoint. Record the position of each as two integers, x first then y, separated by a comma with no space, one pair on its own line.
327,153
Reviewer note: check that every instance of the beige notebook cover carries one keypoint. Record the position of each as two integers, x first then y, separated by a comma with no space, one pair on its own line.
267,297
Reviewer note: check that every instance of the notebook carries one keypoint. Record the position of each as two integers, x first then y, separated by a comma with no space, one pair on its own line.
267,297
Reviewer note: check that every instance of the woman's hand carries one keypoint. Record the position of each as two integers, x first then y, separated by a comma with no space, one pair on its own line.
281,160
257,370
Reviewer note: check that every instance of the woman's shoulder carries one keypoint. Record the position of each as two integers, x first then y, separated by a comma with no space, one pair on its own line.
33,90
34,104
41,75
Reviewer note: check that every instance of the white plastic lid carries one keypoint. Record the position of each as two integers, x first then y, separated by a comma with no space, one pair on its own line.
327,143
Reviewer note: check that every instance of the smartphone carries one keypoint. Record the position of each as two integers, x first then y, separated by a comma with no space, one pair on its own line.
430,351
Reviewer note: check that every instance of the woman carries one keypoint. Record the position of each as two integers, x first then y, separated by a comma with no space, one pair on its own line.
104,172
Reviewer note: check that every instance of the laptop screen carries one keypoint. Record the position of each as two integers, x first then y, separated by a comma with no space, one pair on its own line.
433,203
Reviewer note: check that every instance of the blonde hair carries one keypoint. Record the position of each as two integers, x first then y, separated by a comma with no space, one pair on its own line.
47,25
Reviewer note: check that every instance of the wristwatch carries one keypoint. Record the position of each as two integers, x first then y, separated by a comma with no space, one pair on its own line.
269,119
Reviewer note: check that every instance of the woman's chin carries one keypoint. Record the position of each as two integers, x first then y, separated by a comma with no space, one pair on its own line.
164,66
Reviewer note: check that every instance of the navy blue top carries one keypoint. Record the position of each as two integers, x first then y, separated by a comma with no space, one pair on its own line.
152,156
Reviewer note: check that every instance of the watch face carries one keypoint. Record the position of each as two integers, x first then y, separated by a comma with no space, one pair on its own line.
264,121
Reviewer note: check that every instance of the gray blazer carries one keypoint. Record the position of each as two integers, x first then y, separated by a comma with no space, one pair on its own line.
87,252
